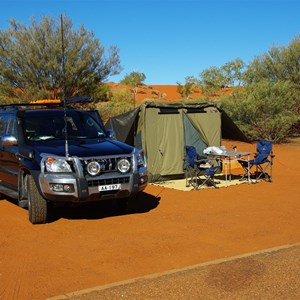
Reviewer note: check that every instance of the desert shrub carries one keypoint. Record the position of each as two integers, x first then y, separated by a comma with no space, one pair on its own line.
121,101
133,79
188,88
31,59
264,110
104,110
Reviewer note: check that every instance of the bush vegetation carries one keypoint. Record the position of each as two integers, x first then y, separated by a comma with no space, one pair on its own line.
50,60
120,102
188,88
263,110
268,105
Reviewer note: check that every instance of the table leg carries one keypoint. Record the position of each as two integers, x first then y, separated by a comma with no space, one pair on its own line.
226,172
248,169
229,168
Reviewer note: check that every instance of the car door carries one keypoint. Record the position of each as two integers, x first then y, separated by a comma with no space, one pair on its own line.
3,125
9,155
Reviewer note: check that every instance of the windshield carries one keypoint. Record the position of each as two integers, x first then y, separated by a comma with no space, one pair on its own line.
50,125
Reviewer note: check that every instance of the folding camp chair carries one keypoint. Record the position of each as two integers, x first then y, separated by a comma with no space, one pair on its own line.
263,161
195,166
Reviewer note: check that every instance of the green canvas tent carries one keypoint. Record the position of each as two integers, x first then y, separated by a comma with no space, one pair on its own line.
162,130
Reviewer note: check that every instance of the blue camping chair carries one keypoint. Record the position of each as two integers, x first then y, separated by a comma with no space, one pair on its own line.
263,162
196,166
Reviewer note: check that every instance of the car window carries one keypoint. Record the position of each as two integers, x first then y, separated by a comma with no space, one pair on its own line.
2,126
12,126
47,125
4,120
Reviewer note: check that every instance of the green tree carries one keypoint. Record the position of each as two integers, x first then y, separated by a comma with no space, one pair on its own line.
268,106
263,110
120,102
234,71
133,79
188,88
212,80
230,74
50,59
279,63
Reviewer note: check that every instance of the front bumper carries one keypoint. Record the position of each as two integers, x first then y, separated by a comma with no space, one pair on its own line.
86,189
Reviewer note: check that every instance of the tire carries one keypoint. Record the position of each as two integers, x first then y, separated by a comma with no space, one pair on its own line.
23,190
37,205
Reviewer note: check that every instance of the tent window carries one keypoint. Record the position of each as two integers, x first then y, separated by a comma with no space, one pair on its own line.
164,111
196,110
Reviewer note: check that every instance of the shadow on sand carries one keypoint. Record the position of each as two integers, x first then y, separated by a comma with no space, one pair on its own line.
103,209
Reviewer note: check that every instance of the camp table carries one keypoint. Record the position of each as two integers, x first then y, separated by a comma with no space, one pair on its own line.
228,156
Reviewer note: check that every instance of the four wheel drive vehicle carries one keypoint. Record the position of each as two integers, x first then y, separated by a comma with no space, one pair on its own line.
55,154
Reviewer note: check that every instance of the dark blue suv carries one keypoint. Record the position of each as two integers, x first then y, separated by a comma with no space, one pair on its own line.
56,154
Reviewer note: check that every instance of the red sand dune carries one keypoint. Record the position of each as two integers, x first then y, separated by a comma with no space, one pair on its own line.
165,93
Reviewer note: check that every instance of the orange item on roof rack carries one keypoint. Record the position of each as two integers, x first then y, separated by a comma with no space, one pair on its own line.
43,101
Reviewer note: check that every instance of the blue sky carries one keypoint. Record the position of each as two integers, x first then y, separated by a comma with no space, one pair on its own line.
168,40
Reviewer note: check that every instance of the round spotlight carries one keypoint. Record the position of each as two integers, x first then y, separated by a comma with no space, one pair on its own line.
93,168
123,165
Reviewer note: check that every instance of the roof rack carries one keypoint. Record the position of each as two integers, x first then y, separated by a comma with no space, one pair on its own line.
16,106
78,99
46,103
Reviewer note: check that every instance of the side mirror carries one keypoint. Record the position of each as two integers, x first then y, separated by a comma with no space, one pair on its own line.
111,133
8,140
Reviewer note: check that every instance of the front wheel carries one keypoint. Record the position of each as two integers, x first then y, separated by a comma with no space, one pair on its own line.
37,205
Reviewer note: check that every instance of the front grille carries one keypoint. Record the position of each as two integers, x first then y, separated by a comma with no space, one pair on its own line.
98,182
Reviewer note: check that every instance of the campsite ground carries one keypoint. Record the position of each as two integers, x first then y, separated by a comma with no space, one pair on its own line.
82,248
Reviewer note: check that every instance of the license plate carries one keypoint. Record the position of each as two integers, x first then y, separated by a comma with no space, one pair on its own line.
110,187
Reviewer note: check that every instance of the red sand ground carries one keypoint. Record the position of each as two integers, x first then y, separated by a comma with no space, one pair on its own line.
82,248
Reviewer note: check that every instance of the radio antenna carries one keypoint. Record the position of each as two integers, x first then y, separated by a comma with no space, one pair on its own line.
64,84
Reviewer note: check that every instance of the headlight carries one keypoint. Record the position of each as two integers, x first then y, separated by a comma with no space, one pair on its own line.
57,165
93,168
123,165
141,159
